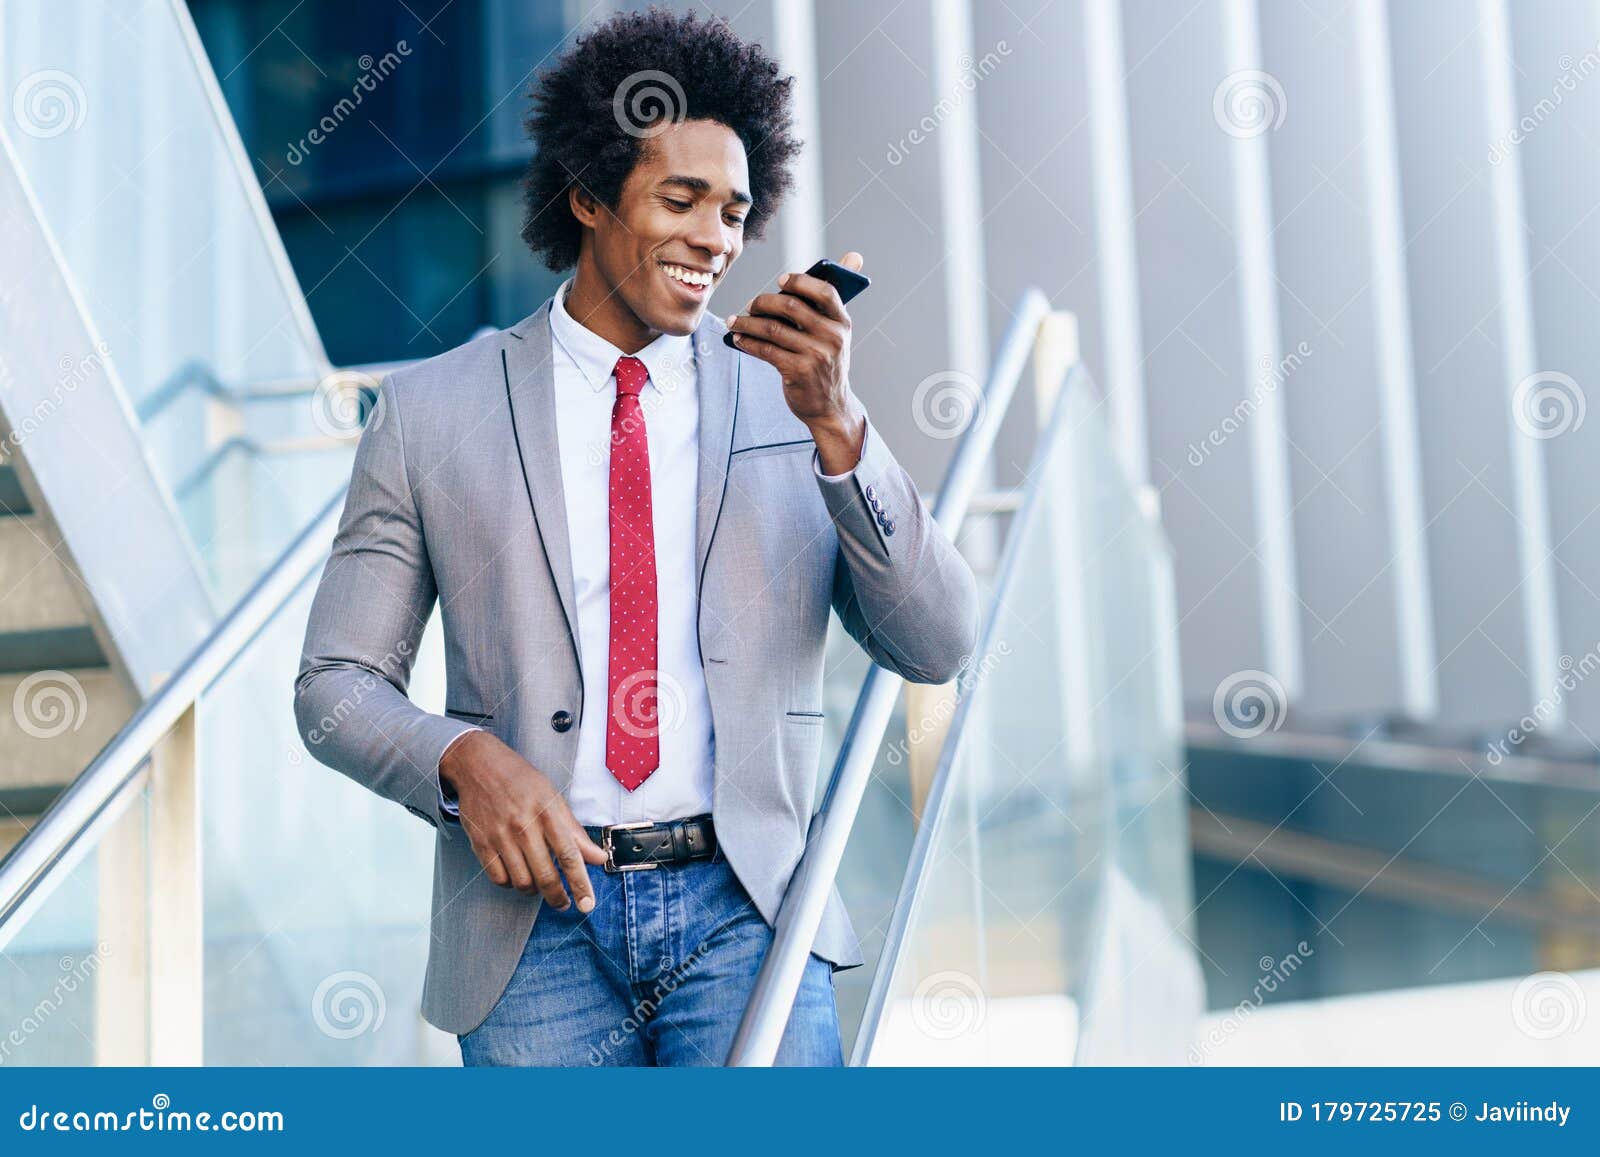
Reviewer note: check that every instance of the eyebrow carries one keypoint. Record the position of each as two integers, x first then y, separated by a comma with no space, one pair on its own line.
701,185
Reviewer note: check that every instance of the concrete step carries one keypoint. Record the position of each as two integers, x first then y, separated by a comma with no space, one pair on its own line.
12,829
48,648
53,722
12,500
37,591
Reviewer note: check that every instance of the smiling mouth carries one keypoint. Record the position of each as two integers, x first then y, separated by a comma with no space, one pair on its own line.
696,281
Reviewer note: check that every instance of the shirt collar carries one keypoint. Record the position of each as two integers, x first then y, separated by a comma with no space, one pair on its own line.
670,358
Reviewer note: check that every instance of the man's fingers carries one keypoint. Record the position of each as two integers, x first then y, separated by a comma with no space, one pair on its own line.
852,261
543,867
591,852
772,331
818,294
493,866
576,872
507,862
787,306
774,355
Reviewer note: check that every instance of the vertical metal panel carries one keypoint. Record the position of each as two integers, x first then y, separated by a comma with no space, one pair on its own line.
1493,617
1058,210
1208,326
1554,137
1344,375
885,186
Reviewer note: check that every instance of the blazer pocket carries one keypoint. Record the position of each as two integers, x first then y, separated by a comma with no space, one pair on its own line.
773,448
469,716
804,716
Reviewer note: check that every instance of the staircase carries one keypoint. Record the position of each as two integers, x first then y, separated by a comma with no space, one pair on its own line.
65,699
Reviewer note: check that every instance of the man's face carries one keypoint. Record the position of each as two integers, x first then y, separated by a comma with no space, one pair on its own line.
678,226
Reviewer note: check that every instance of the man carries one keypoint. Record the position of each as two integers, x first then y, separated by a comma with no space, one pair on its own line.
634,534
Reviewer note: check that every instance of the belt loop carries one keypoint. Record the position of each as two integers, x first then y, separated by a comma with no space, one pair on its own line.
680,843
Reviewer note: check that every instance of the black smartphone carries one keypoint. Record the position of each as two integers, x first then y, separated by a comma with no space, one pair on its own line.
847,281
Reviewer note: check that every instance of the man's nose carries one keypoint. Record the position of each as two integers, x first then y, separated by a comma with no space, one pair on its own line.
712,238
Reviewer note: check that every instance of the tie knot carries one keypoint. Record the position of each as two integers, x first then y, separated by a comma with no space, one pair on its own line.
631,375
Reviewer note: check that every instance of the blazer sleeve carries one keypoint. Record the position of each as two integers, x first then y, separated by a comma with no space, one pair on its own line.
901,588
376,593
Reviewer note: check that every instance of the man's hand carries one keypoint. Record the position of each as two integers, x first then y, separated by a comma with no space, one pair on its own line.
519,824
813,355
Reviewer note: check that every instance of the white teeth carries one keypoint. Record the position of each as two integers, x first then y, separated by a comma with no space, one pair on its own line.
687,276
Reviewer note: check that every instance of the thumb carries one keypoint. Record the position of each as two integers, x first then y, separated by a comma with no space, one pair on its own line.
852,261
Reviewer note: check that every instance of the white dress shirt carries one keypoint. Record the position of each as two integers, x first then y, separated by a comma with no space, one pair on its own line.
584,365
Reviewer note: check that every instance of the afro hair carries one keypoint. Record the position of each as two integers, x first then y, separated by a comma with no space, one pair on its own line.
594,111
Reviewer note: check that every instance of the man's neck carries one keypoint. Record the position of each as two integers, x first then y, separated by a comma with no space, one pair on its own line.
600,309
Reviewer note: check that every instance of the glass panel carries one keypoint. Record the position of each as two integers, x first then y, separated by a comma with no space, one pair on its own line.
317,891
155,213
72,981
1050,924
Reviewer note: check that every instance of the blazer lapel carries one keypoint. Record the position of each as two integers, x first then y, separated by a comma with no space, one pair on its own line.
530,393
717,373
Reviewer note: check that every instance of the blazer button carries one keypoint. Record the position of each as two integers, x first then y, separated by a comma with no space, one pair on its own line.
872,496
561,721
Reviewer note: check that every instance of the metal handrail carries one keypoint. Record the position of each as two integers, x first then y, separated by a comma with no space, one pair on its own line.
67,826
937,803
198,377
767,1013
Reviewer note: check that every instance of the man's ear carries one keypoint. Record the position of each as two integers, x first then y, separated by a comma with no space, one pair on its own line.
584,205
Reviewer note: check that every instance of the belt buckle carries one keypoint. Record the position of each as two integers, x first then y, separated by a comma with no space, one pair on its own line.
609,847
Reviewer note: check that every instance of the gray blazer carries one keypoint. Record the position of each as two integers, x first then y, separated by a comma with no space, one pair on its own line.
456,498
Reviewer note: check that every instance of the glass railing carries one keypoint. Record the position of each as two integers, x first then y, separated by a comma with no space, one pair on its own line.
77,969
288,907
316,890
119,130
308,934
1044,916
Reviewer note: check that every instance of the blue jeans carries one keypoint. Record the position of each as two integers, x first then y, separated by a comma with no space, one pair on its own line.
658,974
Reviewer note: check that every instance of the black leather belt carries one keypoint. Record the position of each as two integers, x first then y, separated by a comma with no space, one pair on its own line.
636,847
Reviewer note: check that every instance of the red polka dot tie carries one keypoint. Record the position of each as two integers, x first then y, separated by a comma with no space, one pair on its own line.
633,748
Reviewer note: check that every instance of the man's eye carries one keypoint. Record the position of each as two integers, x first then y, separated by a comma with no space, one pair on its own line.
680,206
735,221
